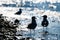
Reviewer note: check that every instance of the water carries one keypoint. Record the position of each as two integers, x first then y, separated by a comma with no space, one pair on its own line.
53,27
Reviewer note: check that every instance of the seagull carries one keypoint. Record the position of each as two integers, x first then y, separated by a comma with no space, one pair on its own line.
45,24
19,12
32,25
45,21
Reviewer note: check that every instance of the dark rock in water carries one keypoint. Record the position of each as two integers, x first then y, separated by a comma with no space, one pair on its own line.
42,39
28,38
19,12
7,28
14,38
22,39
19,35
16,21
10,39
46,32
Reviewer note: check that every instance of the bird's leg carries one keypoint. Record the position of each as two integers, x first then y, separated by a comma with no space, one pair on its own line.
46,28
34,32
43,29
30,32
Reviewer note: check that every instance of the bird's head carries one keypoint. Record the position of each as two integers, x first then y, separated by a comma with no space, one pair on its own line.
44,16
20,9
33,17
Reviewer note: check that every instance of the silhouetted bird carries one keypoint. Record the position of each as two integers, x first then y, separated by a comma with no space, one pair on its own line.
45,21
19,12
33,24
